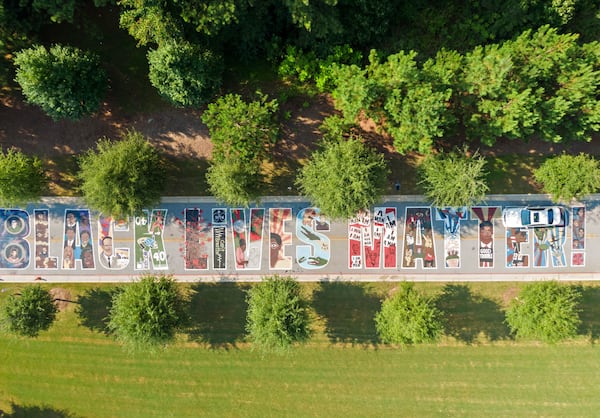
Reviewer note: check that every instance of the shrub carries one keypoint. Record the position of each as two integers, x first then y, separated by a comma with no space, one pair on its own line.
22,178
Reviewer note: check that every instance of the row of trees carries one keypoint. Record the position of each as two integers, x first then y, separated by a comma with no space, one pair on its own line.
150,312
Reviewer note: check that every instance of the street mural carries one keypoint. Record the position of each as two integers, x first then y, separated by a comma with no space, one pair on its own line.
288,238
373,239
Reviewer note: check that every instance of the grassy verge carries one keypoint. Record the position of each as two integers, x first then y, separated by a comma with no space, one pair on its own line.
477,370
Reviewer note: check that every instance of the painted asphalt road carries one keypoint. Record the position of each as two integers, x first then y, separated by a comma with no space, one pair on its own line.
313,248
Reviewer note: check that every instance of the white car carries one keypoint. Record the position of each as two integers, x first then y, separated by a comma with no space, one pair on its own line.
535,217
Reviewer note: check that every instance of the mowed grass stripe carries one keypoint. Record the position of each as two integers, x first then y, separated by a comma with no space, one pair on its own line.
104,381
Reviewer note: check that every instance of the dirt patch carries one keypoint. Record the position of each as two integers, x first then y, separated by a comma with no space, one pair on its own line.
62,298
509,295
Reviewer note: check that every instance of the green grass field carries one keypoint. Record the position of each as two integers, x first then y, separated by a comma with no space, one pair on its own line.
76,370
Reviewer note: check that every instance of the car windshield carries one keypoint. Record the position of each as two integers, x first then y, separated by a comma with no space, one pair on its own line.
550,216
525,217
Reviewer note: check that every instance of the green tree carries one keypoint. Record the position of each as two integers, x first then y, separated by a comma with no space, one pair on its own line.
454,179
242,130
343,177
22,178
277,314
234,182
30,312
122,177
184,74
64,81
546,311
147,313
407,317
568,177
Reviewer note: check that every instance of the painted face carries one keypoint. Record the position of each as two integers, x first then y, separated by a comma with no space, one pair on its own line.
485,234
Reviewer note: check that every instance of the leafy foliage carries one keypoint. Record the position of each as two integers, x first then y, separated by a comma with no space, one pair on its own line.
30,312
234,182
568,177
546,311
22,178
277,314
122,177
454,179
343,177
408,317
147,313
242,130
184,74
64,81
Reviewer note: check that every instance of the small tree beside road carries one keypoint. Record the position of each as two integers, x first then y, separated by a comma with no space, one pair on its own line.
22,178
29,312
121,178
546,311
407,317
454,179
147,313
568,177
277,314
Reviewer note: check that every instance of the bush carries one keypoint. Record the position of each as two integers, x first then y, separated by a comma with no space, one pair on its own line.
546,311
568,177
147,313
408,317
455,179
185,74
277,314
121,178
31,311
22,178
64,81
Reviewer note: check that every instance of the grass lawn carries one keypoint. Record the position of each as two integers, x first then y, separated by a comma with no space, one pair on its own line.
75,370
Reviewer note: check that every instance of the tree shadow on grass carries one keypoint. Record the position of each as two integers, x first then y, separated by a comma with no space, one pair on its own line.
218,314
30,411
349,312
590,312
467,316
94,308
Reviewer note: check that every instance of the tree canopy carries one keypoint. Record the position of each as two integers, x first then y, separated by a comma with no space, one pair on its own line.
29,312
66,82
147,313
454,179
343,177
546,311
277,314
22,178
408,317
121,178
566,177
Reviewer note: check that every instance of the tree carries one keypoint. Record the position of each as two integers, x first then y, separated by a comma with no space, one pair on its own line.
277,314
184,74
242,130
122,177
408,317
147,313
30,312
568,177
454,179
546,311
343,177
22,178
64,81
234,182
